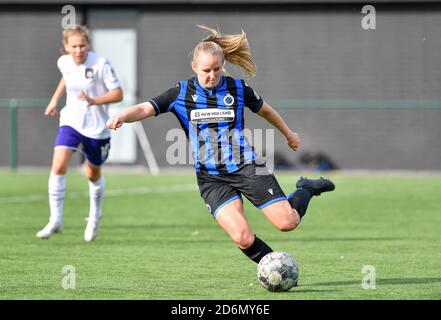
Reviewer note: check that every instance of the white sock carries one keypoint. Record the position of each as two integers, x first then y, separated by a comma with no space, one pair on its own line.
57,189
96,193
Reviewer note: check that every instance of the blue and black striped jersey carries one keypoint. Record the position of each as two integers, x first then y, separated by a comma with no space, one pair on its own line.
213,121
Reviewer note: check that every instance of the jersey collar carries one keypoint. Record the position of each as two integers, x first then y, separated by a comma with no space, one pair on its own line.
88,58
209,91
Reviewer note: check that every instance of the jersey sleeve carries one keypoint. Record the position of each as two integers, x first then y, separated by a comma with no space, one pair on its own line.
109,77
62,64
163,102
251,98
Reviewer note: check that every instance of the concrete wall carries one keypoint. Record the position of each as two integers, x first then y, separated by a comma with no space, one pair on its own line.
306,53
30,45
302,53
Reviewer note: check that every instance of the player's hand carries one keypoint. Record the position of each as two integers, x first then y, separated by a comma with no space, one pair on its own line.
51,109
114,123
293,140
84,96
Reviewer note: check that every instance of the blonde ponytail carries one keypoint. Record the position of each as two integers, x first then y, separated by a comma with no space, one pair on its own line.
233,48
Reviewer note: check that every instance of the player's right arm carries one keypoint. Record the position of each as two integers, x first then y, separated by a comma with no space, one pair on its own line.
153,107
134,113
51,109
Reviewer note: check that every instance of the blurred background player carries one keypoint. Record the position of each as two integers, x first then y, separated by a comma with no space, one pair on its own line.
210,108
90,84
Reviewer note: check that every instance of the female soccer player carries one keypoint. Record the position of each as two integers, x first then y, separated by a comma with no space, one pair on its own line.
210,108
90,84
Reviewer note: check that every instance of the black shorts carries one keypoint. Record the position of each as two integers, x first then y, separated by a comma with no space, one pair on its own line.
253,181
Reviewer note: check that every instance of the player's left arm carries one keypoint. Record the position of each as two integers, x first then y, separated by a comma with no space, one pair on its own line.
272,116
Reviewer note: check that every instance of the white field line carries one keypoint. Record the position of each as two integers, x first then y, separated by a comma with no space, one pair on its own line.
107,193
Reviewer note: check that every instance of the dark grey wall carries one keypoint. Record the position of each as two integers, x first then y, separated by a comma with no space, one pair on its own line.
307,54
312,54
355,138
4,137
302,53
30,42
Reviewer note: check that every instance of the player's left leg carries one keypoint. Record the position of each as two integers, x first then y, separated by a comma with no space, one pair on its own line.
281,215
306,189
261,187
286,215
96,152
96,194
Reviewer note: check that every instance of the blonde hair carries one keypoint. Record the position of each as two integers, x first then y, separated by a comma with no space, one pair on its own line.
72,31
232,48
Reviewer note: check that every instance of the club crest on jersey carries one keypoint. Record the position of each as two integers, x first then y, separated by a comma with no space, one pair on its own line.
88,73
228,100
211,115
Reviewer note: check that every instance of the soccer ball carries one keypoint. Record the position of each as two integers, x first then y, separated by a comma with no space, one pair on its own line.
277,271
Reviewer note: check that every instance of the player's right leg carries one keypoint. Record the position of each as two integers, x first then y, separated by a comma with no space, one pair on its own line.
225,205
66,141
56,190
232,219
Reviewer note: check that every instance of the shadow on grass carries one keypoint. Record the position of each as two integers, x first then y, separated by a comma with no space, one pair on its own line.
122,227
392,281
157,226
300,290
335,239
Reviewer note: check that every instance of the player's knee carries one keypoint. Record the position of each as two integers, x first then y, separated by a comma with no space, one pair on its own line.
286,226
59,170
92,173
243,239
290,222
93,176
